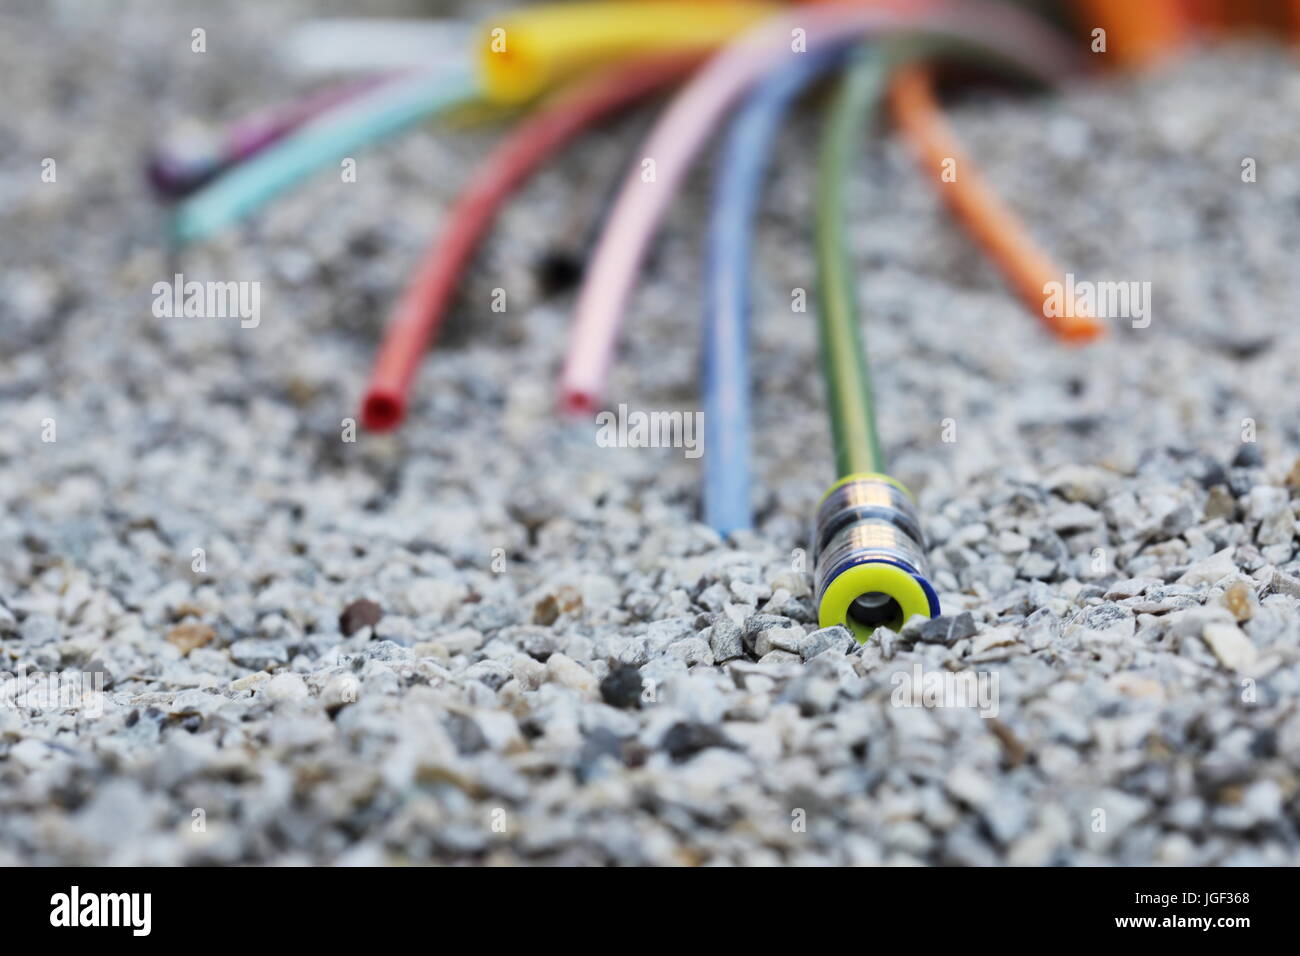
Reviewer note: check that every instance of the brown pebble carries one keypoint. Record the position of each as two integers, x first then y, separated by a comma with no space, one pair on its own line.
1220,503
565,600
359,614
569,598
1238,599
190,635
546,611
1231,795
1013,749
1293,476
182,611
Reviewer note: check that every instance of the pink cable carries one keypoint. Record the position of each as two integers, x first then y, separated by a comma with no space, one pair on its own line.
696,111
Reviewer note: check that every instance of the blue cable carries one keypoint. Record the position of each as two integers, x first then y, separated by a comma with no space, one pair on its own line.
742,165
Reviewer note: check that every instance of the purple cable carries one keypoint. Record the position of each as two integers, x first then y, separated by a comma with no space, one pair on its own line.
174,176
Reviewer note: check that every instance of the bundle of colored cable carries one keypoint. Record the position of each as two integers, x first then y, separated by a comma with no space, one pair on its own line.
423,306
870,554
695,112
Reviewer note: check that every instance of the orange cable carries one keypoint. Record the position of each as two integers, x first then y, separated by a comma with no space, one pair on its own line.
972,200
1137,31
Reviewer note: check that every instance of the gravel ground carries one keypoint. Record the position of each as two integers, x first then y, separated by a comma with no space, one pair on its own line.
489,640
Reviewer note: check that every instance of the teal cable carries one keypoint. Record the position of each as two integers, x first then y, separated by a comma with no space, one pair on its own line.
365,120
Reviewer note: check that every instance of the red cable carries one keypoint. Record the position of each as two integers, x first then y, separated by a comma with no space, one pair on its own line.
423,305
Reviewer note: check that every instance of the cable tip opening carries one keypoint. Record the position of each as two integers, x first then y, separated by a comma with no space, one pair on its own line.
381,411
871,567
875,594
876,609
577,404
164,177
1076,330
510,72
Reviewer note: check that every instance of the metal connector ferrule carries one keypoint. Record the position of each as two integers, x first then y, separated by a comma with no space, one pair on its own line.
871,569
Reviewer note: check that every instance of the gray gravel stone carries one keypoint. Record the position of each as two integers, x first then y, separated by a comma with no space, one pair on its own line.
259,654
828,638
767,632
725,640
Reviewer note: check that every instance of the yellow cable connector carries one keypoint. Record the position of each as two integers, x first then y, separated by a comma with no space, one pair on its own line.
524,52
871,567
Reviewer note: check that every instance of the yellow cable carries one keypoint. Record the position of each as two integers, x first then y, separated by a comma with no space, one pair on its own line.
524,52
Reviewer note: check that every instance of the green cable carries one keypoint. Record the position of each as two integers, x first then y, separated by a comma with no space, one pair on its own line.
844,359
871,568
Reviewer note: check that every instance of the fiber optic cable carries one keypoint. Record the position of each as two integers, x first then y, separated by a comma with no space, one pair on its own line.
870,554
694,113
741,168
524,52
977,206
424,304
362,121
